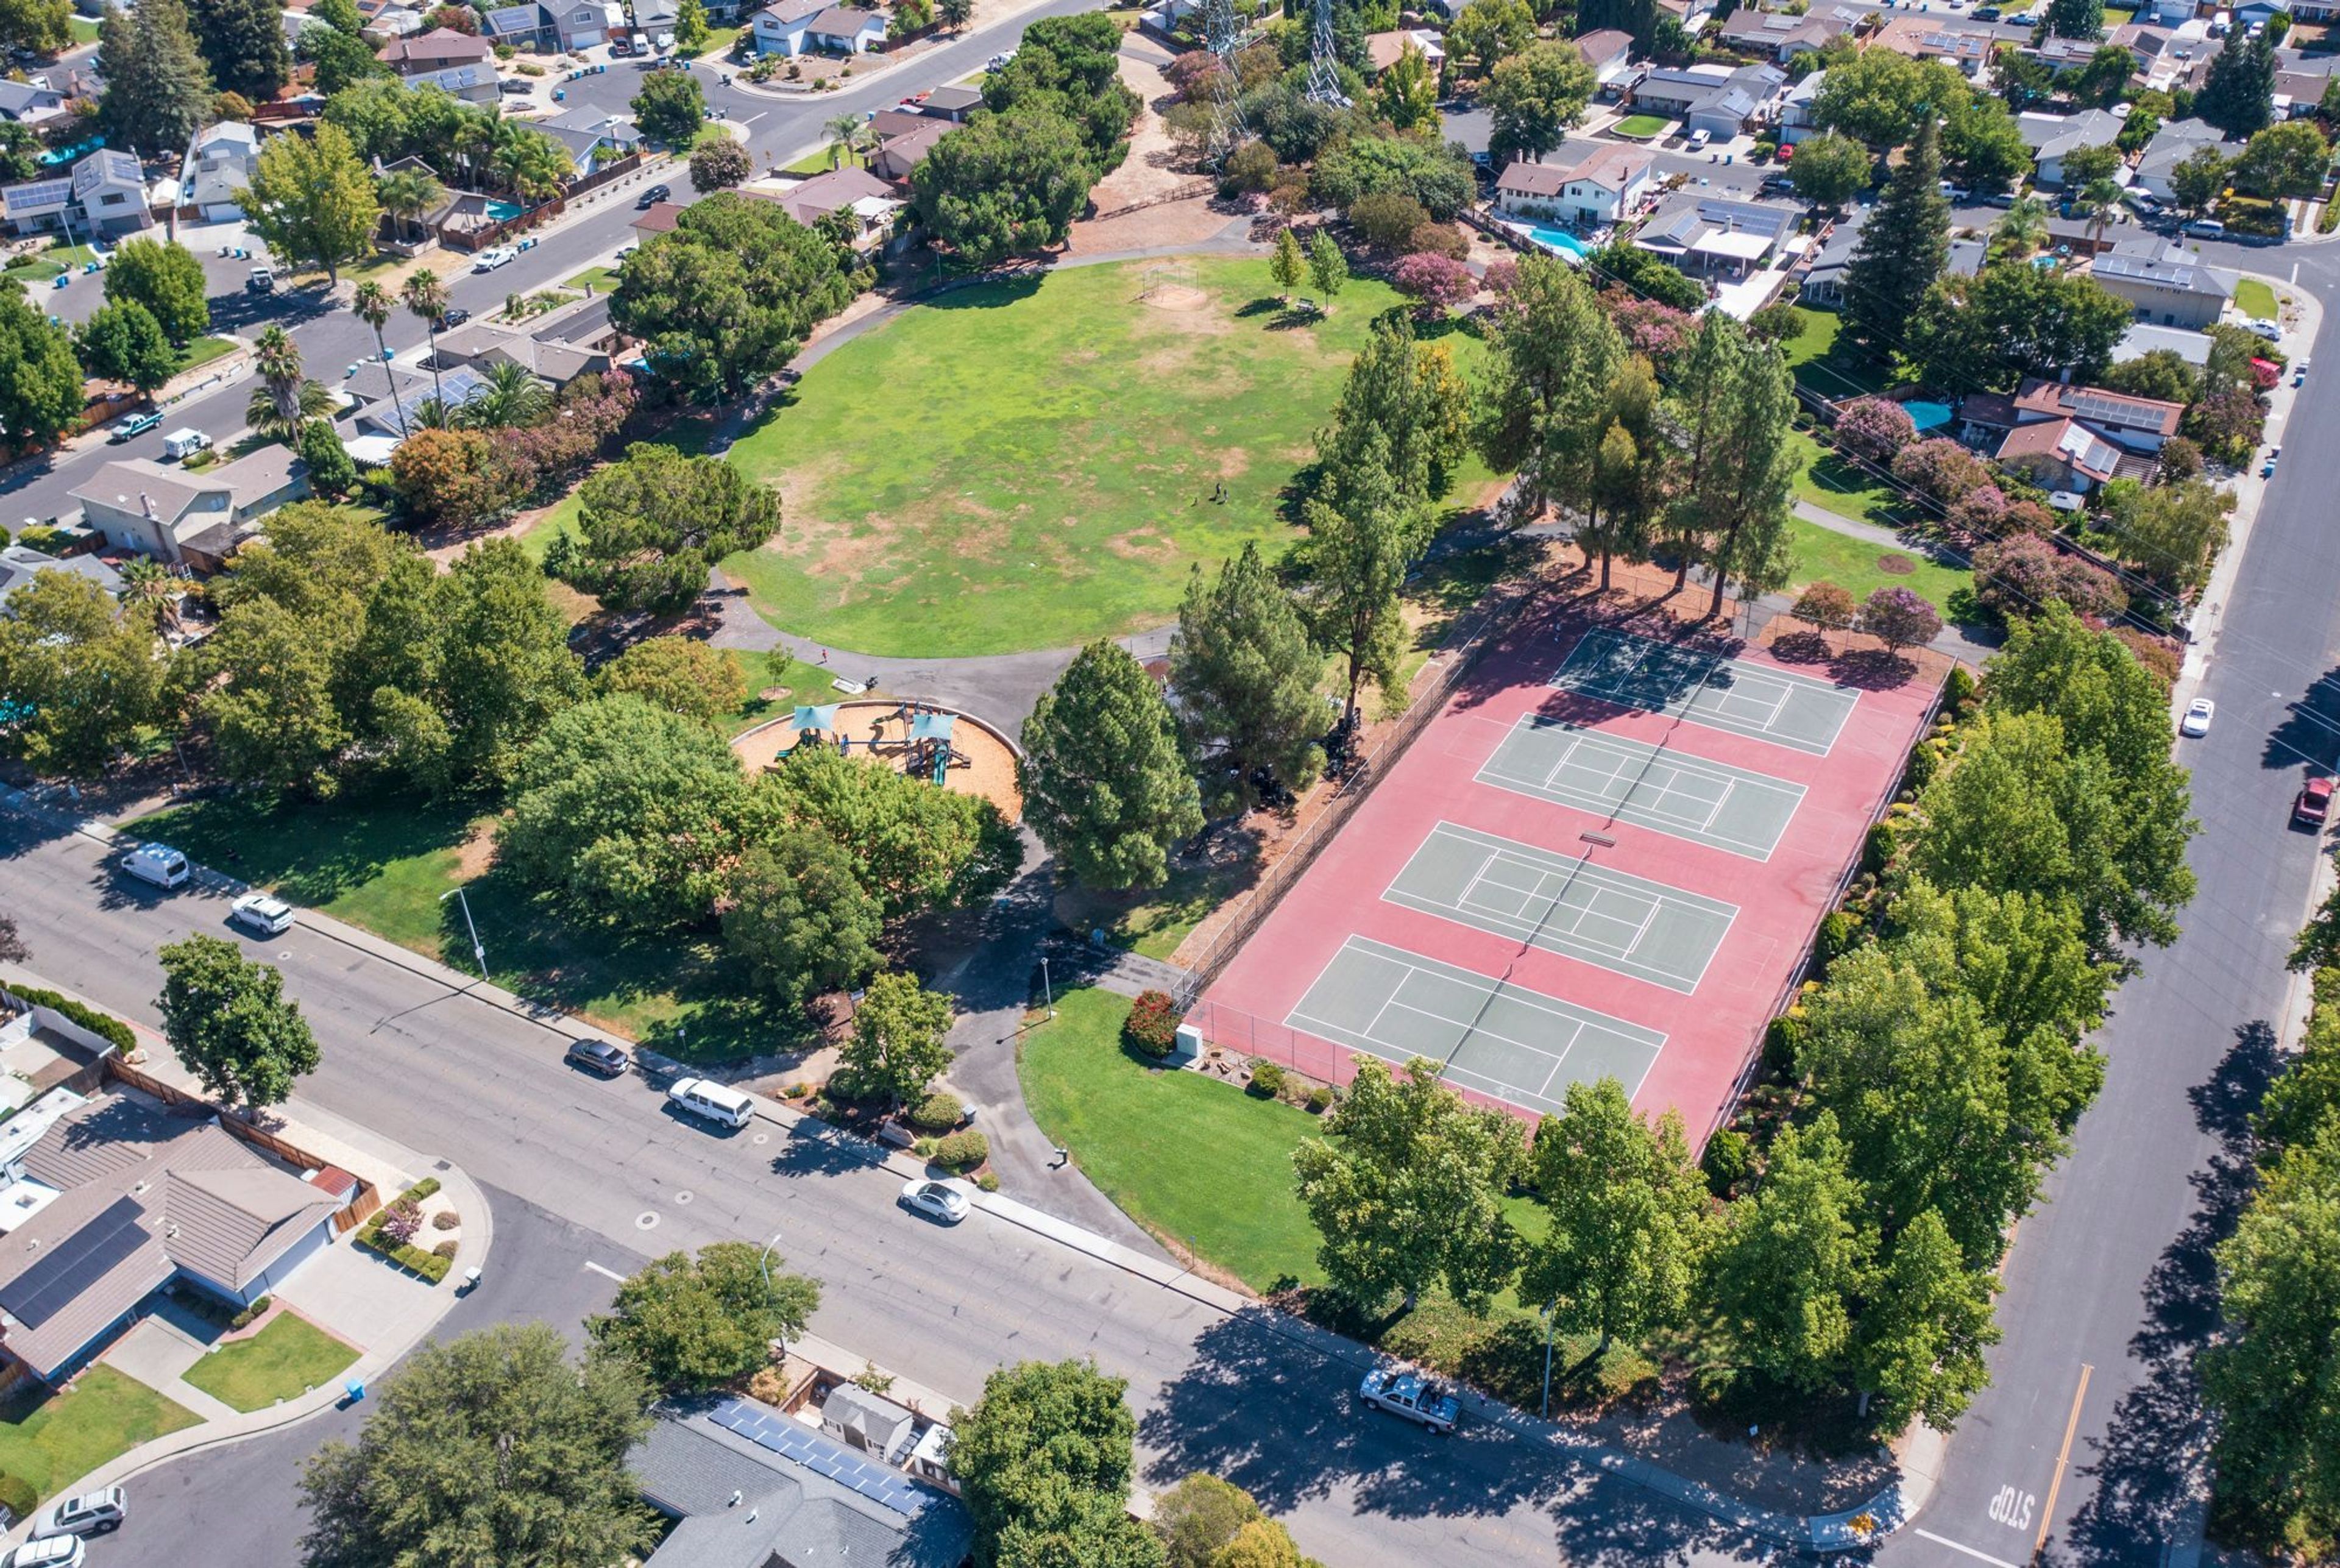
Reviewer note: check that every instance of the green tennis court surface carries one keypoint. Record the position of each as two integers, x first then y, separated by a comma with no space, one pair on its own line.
1731,695
1517,1045
1564,904
1709,803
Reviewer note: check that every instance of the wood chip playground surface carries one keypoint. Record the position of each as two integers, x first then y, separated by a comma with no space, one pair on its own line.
984,763
1606,855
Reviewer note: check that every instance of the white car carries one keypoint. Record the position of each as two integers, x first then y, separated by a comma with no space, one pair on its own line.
91,1514
56,1551
936,1200
494,256
2267,330
260,913
1401,1392
2198,714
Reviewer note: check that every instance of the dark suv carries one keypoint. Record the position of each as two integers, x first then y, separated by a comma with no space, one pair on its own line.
598,1057
652,197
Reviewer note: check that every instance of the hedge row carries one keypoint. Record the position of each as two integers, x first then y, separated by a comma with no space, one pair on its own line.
104,1025
430,1266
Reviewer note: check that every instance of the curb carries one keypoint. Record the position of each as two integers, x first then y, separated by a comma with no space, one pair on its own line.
1888,1512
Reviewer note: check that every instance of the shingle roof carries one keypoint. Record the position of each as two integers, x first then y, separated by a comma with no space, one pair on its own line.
787,13
126,483
439,44
845,22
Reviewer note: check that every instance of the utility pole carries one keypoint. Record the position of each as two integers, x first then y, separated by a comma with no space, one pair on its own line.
479,953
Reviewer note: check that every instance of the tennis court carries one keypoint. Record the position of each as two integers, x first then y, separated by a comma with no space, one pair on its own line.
1654,787
1735,696
1565,904
1504,1040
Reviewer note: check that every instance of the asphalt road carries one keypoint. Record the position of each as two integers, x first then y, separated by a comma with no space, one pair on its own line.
454,1077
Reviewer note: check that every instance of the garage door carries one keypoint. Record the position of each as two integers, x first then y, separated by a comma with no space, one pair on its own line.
583,40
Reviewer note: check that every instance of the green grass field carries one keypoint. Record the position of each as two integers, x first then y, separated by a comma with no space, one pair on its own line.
1641,126
1031,464
1819,367
600,280
284,1360
2255,299
51,1440
203,351
1826,481
1823,555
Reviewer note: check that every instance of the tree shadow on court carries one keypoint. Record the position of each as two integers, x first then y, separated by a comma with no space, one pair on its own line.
1872,669
2149,1467
2309,737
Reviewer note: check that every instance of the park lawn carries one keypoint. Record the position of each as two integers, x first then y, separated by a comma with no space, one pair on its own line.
2255,299
49,1441
1818,365
1077,475
284,1360
1641,126
1829,482
796,682
1824,555
203,351
602,280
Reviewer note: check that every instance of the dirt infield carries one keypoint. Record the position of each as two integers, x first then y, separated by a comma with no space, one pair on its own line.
988,769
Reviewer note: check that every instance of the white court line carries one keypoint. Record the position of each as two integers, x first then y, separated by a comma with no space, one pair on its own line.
604,1272
1956,1546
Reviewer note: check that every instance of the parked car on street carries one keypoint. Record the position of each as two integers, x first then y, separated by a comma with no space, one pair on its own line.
455,316
2314,802
936,1200
652,198
91,1514
135,424
1408,1394
156,863
494,256
270,917
56,1551
711,1101
183,443
260,281
598,1057
2198,714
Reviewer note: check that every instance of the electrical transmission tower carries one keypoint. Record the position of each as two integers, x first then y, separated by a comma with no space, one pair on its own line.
1223,35
1323,81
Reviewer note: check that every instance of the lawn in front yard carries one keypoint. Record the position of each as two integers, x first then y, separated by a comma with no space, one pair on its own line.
600,280
284,1360
1824,555
821,160
2255,299
49,1441
1642,126
1094,414
203,351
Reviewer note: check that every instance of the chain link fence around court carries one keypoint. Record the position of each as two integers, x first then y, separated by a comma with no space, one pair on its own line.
1375,757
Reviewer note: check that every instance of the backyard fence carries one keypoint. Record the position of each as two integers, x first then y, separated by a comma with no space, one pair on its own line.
362,1201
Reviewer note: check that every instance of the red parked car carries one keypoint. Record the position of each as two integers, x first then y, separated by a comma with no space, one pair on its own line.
2314,803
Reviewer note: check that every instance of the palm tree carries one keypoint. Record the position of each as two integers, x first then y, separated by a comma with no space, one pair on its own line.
407,194
373,304
426,296
432,413
846,134
2025,225
284,398
512,398
150,590
533,166
2100,197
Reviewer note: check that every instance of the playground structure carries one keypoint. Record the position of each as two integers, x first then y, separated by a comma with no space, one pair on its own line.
945,746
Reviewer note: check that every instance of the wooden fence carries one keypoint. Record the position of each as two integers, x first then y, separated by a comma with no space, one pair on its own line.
362,1203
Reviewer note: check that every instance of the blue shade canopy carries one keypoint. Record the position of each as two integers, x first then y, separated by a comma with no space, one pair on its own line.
817,717
932,727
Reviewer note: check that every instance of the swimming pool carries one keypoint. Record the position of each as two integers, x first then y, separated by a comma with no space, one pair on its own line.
1560,239
504,211
1927,415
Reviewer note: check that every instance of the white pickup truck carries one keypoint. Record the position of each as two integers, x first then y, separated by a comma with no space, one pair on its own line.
1411,1396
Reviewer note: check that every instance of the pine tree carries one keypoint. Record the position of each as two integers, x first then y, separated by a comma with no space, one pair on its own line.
2239,95
242,42
1287,266
1903,249
1105,780
158,91
1245,674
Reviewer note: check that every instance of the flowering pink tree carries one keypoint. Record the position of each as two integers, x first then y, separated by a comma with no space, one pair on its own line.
1438,283
1873,428
1941,468
1503,277
1658,332
2023,573
1981,511
1899,618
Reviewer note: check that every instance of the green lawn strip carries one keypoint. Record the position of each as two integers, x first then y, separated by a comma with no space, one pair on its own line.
2255,299
1077,481
821,161
2116,17
84,31
1828,481
718,41
284,1360
600,280
203,351
806,684
1641,126
33,268
49,1441
1824,555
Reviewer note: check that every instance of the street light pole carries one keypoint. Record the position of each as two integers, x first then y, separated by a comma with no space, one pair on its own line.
1547,1358
1047,991
764,1264
479,953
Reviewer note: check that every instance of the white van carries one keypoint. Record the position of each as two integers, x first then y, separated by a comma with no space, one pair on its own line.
182,443
718,1103
156,863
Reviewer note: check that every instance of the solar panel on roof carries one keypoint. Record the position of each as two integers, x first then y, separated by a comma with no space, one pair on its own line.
879,1484
76,1263
40,194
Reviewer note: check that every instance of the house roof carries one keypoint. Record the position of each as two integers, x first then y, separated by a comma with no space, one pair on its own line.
2144,338
1924,38
455,78
141,1195
2172,143
888,122
257,475
906,150
1384,50
2087,403
1694,221
845,22
804,1500
2064,441
439,44
510,21
1604,46
789,13
127,484
1612,168
809,200
954,100
108,167
2053,135
1521,178
878,1420
20,97
19,564
2175,269
659,219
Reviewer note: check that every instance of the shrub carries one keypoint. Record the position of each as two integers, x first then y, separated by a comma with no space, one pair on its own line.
1152,1026
1443,240
399,1224
987,1182
445,1219
1783,1037
1957,690
1439,283
18,1496
1252,167
2154,652
1873,428
962,1151
1826,606
1941,468
797,1091
1729,1159
1320,1098
1840,933
1266,1079
2021,575
1387,219
445,1249
1877,850
1923,763
937,1113
103,1024
250,1314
